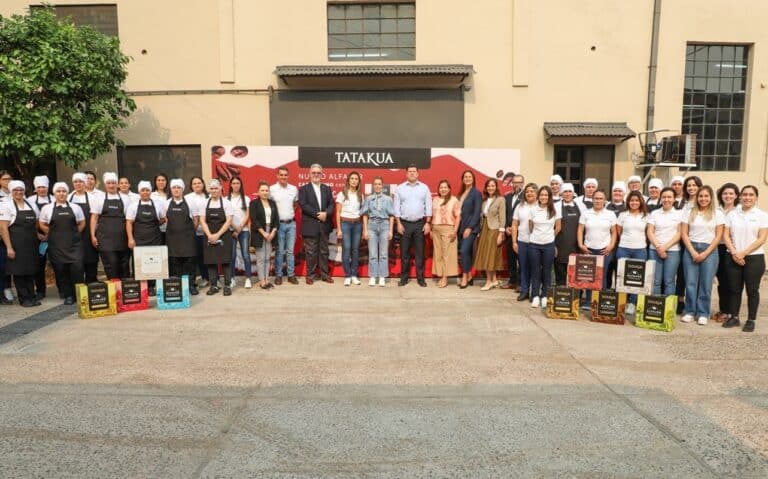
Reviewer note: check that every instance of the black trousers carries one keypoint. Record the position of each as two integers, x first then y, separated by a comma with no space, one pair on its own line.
561,273
67,276
514,275
412,236
739,277
722,279
116,263
90,271
316,252
213,274
25,287
178,267
40,276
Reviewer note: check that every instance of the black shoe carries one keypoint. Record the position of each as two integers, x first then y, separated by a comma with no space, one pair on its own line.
27,304
749,326
732,322
36,302
212,290
402,282
152,292
193,291
4,300
471,282
40,296
422,283
680,308
463,286
227,291
69,301
293,280
522,296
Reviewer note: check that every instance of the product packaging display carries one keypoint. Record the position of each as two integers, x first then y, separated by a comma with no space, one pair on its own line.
608,306
563,303
173,293
635,276
585,271
656,312
150,262
132,295
95,300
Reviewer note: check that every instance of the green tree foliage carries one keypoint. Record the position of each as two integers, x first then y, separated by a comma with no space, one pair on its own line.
61,95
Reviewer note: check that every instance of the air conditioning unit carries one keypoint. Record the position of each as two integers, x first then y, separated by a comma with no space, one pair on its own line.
677,149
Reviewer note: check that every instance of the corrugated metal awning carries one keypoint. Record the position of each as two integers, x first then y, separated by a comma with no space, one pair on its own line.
373,76
585,129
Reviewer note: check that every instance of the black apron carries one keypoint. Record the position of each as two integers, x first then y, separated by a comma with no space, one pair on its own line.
215,218
110,230
63,239
588,203
180,233
566,241
40,208
23,233
90,255
146,226
653,206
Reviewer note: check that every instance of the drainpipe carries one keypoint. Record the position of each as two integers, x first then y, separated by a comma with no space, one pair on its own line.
653,64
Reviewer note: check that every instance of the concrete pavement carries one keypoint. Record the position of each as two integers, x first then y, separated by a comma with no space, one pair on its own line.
328,381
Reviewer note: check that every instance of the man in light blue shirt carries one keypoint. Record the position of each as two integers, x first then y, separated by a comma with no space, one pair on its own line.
413,211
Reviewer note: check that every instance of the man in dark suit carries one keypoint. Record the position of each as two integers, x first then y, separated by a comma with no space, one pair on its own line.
316,203
512,200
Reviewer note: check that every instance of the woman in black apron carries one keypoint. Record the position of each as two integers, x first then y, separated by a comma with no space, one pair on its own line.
41,198
181,221
217,250
566,241
81,198
108,232
18,228
64,222
143,220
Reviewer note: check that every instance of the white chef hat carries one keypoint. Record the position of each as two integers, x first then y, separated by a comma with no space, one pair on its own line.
60,185
590,181
556,178
16,184
109,176
79,177
634,179
567,187
144,185
619,185
214,183
677,179
177,182
40,181
656,182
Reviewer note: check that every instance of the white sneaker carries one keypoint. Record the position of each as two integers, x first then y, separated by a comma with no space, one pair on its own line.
687,318
536,302
372,281
203,283
544,302
355,281
232,283
703,320
630,311
8,292
347,281
248,284
382,281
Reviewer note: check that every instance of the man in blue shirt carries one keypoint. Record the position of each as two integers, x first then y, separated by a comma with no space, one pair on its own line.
413,211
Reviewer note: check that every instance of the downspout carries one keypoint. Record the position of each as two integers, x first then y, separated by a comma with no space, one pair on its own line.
653,64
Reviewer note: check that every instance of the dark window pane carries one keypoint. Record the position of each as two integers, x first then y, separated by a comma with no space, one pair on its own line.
707,147
723,116
736,132
709,132
176,161
706,163
721,148
710,116
738,100
737,117
723,132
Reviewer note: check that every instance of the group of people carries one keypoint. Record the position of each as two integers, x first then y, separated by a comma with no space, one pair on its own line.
692,232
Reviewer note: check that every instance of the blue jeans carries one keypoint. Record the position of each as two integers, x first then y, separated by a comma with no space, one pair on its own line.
244,239
378,247
286,241
541,257
467,251
698,281
350,247
666,271
525,266
631,253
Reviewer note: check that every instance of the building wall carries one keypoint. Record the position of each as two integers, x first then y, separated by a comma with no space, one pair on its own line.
534,62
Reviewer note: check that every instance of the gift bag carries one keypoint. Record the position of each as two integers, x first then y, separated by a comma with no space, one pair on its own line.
95,300
173,293
656,312
563,303
585,271
608,306
635,276
131,295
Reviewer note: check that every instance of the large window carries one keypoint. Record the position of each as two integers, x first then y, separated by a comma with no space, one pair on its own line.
102,17
144,162
371,31
576,163
713,103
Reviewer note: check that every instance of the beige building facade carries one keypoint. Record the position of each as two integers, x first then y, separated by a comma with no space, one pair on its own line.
207,72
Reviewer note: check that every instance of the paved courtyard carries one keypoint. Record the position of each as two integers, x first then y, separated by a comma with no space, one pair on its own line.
328,381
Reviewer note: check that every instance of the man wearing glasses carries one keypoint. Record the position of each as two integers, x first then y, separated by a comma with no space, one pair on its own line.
512,200
316,203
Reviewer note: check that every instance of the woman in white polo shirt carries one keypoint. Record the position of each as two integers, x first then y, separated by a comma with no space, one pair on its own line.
664,236
746,230
631,228
521,235
597,235
701,230
544,225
